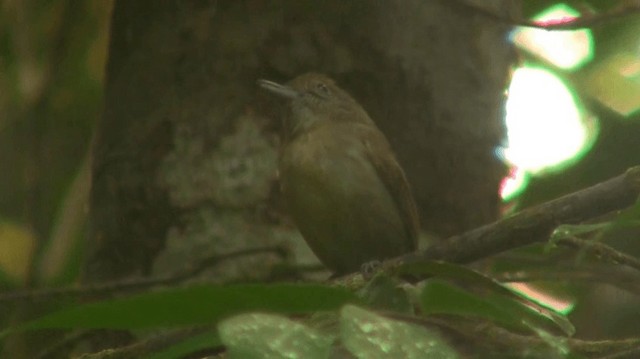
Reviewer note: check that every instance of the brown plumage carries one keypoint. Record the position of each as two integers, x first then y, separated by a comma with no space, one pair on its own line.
340,180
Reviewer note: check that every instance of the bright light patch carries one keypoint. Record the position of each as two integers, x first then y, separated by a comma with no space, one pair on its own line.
616,83
16,249
513,184
560,305
544,125
566,49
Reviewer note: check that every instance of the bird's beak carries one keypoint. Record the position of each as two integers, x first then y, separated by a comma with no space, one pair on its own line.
280,90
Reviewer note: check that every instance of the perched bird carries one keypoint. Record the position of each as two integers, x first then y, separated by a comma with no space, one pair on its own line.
340,180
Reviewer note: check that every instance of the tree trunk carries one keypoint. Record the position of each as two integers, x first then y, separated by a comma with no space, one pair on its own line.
186,152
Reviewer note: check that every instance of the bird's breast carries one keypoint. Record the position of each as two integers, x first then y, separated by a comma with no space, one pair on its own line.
324,160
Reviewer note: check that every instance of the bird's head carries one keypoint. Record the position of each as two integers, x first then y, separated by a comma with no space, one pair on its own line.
314,97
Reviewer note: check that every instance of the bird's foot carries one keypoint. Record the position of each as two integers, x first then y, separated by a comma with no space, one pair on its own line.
369,269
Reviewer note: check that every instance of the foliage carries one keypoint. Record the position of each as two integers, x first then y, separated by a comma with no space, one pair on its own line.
50,95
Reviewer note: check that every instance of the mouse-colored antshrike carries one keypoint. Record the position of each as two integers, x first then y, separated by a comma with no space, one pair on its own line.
340,180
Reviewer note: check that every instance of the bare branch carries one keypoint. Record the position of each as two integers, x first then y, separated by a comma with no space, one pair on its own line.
535,224
602,251
151,345
624,9
112,288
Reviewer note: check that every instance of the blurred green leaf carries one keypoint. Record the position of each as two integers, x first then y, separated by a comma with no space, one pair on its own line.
627,218
439,297
368,335
16,249
492,291
194,305
449,270
198,342
6,281
558,346
259,336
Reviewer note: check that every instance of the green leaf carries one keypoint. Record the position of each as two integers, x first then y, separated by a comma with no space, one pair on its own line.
368,335
7,281
439,297
187,346
494,292
267,336
453,271
625,219
194,305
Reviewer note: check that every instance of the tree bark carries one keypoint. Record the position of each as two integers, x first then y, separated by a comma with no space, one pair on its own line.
184,162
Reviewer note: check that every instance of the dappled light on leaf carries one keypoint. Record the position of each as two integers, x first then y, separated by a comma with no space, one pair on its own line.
265,336
369,335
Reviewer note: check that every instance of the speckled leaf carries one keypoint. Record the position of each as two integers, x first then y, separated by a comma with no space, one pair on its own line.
266,336
368,335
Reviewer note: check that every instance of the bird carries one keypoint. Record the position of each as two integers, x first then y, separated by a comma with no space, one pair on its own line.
339,178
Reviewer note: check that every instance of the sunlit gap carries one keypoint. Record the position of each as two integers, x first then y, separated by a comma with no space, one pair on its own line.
566,49
547,128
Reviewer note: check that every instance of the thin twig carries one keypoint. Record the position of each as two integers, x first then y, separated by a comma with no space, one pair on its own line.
622,279
111,288
493,337
624,9
602,251
151,345
68,341
534,225
632,353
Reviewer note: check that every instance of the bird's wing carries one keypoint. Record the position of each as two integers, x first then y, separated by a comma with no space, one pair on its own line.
393,177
